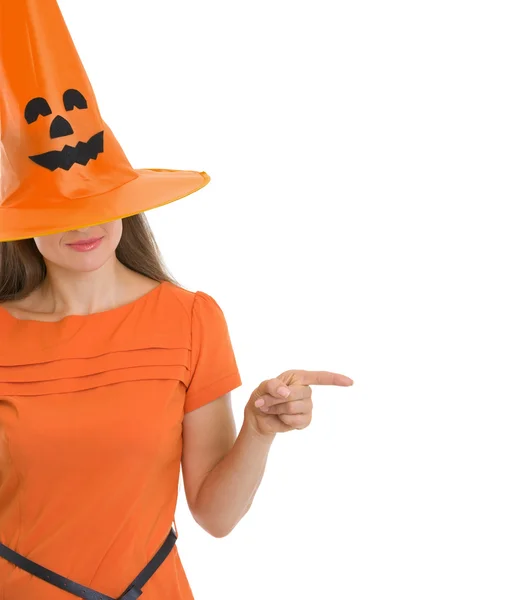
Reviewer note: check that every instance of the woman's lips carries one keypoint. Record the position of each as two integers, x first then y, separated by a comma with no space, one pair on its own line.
86,245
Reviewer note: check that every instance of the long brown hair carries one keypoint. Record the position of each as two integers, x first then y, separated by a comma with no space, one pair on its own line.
22,268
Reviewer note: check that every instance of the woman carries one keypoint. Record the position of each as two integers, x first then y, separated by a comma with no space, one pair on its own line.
112,376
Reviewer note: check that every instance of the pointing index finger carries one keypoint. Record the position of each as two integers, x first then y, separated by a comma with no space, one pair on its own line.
322,378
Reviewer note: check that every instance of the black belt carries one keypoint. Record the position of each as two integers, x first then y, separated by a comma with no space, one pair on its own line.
132,592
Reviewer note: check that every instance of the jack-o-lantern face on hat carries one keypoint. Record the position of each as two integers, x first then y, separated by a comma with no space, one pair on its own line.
61,167
82,152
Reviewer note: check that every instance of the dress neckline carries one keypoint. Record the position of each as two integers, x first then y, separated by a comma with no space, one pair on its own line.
96,315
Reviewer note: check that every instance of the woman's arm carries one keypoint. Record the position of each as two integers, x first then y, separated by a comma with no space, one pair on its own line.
221,471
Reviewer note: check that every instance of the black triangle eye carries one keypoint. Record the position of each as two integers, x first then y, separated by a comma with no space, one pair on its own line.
35,108
74,99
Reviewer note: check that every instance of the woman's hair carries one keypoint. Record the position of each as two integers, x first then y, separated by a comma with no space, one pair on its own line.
22,268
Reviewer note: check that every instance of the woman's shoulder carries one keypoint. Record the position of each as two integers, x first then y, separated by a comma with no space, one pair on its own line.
189,299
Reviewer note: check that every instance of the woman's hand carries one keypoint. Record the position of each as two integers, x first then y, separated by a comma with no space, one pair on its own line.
285,403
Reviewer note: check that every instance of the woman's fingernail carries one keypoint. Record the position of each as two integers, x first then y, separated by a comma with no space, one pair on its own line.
283,391
260,402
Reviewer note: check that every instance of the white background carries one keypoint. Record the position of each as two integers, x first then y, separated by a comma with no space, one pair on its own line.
362,157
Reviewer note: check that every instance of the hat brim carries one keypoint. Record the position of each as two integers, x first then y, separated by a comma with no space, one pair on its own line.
150,189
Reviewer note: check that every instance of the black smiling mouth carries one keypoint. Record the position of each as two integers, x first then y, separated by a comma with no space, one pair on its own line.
81,154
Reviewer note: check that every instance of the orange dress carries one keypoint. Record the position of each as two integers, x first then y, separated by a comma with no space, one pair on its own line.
91,411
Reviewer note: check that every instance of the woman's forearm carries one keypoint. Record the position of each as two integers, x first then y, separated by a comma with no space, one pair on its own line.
229,488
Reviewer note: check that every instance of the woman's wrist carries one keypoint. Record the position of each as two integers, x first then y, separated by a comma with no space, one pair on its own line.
250,428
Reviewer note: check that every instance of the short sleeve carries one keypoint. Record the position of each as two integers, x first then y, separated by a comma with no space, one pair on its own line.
214,371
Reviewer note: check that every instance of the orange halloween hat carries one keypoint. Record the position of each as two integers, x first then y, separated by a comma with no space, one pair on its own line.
61,167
